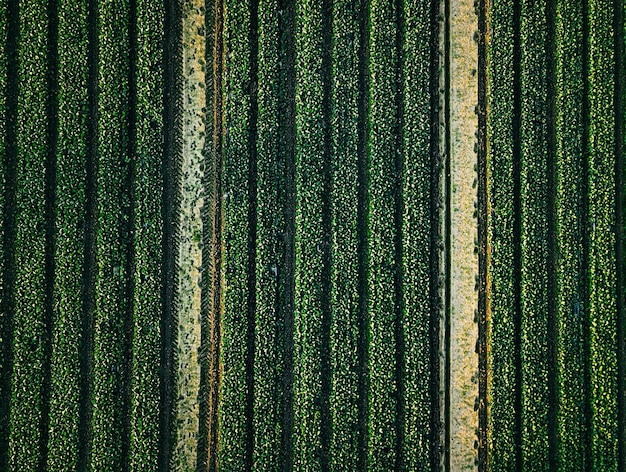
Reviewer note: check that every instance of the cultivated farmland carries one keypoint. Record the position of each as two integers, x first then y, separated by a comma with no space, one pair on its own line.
312,235
555,326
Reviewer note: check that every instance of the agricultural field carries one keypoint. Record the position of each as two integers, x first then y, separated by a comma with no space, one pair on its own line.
555,222
82,256
312,235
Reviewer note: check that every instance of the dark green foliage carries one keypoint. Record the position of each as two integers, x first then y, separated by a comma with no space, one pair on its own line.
601,228
312,243
416,231
534,236
566,280
270,249
71,172
569,230
111,276
28,321
111,391
148,186
232,410
326,229
501,326
382,263
346,299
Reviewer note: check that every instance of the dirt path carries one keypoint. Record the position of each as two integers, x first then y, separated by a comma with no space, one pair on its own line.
463,97
190,238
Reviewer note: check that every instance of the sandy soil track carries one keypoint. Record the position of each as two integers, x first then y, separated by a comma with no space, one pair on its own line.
190,238
463,302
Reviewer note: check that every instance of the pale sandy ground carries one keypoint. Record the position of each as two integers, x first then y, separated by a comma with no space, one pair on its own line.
190,250
464,297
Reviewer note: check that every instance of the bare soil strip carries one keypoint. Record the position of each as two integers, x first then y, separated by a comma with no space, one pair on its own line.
463,296
190,238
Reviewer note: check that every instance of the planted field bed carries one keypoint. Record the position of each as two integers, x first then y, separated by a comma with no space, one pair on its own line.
82,148
555,322
312,235
330,315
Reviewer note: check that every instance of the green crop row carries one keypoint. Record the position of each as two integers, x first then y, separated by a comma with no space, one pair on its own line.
417,222
346,299
28,321
111,277
382,262
270,281
501,393
534,202
148,187
315,145
400,78
234,434
311,238
569,230
69,257
601,227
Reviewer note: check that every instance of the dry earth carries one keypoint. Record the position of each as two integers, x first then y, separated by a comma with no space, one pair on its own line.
464,261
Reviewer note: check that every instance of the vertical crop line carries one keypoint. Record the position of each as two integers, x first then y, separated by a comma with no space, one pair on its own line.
362,225
585,282
52,135
552,288
252,225
171,170
8,243
435,237
85,432
287,124
128,233
447,235
398,265
552,248
325,370
618,18
482,237
517,228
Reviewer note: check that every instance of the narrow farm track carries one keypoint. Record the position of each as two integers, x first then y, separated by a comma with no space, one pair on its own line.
462,237
190,231
298,235
211,215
